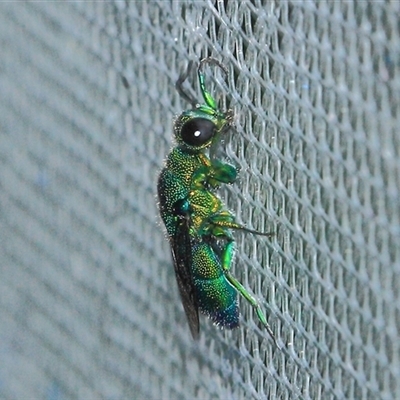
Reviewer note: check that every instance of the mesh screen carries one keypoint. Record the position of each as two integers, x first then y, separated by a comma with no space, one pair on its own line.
89,307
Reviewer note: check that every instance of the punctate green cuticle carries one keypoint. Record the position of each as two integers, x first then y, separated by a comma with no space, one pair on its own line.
198,224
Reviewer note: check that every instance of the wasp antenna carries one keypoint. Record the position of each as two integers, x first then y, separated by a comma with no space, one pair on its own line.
214,61
179,85
208,98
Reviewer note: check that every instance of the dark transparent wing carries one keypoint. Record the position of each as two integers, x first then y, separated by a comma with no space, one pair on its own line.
182,256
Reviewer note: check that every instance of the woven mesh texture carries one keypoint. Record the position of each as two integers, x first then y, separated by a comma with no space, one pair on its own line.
89,307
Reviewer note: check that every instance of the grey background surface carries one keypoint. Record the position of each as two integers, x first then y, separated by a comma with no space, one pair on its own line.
89,307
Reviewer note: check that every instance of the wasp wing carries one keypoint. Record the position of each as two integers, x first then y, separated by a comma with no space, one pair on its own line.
182,256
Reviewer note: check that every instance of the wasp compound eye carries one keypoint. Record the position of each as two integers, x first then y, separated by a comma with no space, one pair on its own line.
197,131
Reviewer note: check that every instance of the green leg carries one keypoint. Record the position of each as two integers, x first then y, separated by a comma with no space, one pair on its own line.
213,175
225,220
227,255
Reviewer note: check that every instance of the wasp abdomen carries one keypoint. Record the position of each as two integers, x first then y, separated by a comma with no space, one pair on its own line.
217,297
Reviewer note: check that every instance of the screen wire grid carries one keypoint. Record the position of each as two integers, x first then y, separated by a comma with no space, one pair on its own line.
89,307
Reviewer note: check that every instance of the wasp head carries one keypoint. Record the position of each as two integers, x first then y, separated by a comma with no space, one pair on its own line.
197,129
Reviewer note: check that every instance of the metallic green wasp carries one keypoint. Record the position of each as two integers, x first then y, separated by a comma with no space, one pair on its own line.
198,225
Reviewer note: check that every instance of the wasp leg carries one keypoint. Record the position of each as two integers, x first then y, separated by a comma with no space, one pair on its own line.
222,231
213,175
223,172
227,254
224,219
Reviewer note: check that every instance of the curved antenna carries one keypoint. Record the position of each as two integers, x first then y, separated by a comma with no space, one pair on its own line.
179,86
208,98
